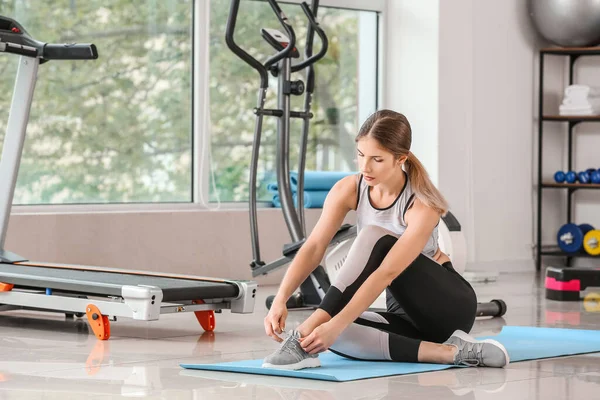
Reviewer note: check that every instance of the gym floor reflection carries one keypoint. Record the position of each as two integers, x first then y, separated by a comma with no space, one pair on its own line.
48,356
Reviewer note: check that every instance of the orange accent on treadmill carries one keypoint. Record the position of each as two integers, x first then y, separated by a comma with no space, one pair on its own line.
206,317
6,287
99,323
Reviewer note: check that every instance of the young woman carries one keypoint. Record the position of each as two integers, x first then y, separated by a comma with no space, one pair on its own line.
429,305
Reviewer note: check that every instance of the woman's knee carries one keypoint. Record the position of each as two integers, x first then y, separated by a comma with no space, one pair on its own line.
370,235
374,231
371,244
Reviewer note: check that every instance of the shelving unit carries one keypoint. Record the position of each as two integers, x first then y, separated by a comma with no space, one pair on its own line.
572,121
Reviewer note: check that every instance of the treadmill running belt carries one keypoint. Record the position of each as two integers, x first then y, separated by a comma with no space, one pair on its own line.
110,283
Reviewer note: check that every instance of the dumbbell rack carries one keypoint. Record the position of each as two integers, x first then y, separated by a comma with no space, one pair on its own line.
572,121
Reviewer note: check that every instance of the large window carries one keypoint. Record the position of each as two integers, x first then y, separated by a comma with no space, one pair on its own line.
113,130
345,92
126,128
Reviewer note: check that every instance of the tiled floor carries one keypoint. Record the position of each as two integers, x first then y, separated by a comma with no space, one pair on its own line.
46,357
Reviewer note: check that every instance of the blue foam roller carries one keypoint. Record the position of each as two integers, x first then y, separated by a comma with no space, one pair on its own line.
313,180
312,199
559,177
595,177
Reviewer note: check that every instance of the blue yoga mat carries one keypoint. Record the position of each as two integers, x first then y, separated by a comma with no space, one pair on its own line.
313,180
522,343
314,199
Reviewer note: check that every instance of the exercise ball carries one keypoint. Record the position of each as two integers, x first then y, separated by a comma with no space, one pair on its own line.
568,23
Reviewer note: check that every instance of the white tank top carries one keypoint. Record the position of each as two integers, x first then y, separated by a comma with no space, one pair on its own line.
392,217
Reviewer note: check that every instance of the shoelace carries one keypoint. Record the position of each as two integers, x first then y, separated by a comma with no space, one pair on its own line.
291,344
470,354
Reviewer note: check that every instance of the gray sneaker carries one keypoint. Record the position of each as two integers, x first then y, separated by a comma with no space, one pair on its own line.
477,353
290,355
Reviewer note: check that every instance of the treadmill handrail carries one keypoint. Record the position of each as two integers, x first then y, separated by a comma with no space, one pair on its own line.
16,40
74,51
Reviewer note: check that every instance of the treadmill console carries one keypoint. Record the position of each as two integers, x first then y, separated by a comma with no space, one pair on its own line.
15,39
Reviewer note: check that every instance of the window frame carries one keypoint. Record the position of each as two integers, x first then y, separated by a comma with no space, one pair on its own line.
200,112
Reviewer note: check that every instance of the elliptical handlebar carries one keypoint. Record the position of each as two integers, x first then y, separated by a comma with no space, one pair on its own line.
313,26
241,53
237,50
288,29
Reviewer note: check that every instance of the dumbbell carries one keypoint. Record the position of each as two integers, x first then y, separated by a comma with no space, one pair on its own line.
591,242
570,237
590,175
584,177
595,176
561,177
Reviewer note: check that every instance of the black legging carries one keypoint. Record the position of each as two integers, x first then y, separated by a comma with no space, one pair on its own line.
429,302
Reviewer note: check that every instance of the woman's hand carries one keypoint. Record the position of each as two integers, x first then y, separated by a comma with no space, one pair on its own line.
322,337
275,320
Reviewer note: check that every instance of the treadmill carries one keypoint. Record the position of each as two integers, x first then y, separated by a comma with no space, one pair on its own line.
101,294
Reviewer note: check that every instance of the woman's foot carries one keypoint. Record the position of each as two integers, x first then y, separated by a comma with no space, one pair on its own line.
291,355
477,353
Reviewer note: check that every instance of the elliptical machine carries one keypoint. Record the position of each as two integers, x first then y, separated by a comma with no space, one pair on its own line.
280,65
313,289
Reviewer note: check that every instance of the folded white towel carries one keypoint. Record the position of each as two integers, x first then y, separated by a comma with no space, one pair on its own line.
578,106
582,91
565,110
575,102
581,98
577,114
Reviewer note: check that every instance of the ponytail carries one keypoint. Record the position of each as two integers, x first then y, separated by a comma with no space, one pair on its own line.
424,189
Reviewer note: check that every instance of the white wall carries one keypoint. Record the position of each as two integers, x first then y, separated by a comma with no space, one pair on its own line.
456,57
411,76
487,53
463,73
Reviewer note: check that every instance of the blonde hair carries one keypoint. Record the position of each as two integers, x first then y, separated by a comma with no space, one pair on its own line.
392,131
